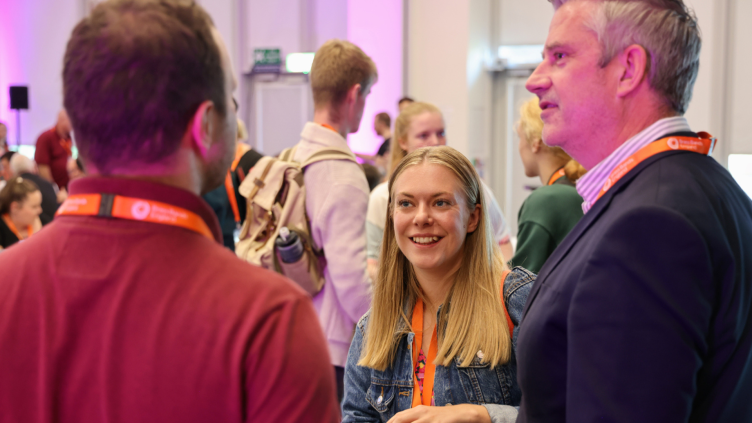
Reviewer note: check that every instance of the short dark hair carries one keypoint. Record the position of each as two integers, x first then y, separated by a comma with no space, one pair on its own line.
384,118
7,155
135,72
404,99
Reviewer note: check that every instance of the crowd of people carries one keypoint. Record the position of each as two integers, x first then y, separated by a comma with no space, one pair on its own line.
628,298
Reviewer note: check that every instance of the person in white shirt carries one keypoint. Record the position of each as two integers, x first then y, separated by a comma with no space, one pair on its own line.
337,192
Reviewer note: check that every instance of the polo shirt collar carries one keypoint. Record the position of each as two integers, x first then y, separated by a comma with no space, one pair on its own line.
152,191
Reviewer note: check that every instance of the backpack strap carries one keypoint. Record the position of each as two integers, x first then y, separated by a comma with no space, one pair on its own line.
504,275
329,154
288,153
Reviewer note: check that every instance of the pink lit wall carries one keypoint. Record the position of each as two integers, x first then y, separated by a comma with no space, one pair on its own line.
33,34
376,27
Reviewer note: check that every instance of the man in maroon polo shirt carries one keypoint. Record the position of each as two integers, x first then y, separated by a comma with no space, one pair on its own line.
53,150
127,308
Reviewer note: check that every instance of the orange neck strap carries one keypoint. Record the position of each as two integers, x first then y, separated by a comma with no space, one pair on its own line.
12,227
68,146
109,205
430,370
703,144
555,177
423,397
230,188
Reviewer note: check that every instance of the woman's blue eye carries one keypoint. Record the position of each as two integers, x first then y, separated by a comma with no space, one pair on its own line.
403,203
442,203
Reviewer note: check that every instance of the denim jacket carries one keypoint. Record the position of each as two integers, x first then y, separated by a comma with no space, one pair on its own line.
376,396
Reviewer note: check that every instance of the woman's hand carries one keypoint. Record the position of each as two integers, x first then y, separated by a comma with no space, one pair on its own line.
462,413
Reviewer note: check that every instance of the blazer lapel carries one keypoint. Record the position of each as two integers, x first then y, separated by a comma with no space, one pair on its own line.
584,224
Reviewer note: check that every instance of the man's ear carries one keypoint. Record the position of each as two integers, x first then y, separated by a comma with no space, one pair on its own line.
633,62
353,93
201,128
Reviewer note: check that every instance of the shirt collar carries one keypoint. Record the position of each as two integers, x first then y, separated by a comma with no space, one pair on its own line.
591,183
152,191
321,135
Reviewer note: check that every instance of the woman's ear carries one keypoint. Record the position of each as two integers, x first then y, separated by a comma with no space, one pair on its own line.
201,128
472,223
15,206
402,143
536,145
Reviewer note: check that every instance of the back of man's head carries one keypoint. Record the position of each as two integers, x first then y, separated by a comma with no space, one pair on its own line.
135,72
20,164
338,66
385,119
666,29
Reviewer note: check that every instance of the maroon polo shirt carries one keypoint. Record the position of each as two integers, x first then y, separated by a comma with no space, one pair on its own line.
111,320
50,152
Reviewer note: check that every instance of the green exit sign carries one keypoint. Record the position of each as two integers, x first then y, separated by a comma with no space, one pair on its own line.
267,56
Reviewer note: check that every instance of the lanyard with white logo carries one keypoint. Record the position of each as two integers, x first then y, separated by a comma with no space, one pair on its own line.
129,208
703,144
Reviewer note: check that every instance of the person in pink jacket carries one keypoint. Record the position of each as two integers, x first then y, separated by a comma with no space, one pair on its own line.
337,192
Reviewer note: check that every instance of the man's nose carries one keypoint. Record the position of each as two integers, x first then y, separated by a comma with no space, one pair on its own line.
539,81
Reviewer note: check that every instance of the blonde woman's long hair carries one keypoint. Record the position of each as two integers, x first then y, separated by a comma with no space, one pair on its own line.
401,127
472,318
531,125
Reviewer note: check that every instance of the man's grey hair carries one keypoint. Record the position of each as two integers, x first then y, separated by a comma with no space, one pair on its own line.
666,29
20,164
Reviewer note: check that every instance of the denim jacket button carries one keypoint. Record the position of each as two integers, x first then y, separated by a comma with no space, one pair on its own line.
379,400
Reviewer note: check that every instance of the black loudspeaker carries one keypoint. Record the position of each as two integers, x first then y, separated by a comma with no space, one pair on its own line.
19,97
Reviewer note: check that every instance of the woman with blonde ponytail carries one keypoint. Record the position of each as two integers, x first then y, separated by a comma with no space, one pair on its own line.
551,211
438,342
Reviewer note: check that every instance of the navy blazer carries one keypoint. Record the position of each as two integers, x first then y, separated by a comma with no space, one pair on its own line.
643,313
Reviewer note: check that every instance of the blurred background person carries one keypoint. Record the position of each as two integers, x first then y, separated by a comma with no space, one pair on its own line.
404,102
5,173
20,207
420,125
75,169
382,125
551,211
3,138
24,167
54,147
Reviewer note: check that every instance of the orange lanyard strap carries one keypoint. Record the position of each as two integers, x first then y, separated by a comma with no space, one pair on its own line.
555,177
109,205
703,145
231,196
68,146
430,370
12,227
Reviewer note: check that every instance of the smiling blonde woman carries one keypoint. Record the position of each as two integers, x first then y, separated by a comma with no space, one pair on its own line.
441,329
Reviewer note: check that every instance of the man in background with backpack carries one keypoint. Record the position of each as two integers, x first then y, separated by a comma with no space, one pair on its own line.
337,192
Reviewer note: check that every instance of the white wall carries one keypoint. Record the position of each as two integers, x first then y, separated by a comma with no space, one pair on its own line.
438,44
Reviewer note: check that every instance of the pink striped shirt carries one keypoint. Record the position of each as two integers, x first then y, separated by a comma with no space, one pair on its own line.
591,183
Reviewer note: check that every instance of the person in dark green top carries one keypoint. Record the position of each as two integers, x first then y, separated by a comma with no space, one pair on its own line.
551,211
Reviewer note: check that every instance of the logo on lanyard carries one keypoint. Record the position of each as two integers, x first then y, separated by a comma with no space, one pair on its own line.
140,210
673,143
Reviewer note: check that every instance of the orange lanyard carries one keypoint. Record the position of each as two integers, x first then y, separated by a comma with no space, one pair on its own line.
555,177
12,227
430,370
231,196
703,145
135,209
68,146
